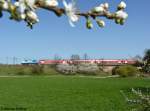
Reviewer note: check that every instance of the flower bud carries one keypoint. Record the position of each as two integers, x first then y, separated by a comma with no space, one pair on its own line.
51,3
98,9
100,23
22,16
16,4
106,6
102,5
32,17
122,5
122,21
117,21
5,5
89,24
121,14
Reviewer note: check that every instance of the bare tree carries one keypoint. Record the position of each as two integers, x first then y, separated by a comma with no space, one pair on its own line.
75,57
138,58
57,57
85,56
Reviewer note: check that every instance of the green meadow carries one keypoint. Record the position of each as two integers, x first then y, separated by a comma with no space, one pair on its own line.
66,93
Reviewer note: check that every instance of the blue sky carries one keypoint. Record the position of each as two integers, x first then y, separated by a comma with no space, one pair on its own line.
53,35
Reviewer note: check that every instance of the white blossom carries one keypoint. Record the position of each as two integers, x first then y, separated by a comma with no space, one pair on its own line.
99,9
71,10
21,7
53,3
25,9
32,17
30,3
25,5
121,14
106,5
5,5
122,5
23,16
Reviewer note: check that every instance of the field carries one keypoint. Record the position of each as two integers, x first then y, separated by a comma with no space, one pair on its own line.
65,93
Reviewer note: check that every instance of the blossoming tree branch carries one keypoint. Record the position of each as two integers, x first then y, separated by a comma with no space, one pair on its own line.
25,10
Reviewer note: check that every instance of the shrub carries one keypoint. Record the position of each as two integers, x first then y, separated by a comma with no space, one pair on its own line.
114,70
88,69
20,70
66,69
146,69
125,71
24,70
11,69
36,70
49,70
84,69
138,98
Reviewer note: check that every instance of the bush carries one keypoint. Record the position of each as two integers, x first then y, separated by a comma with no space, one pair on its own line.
146,69
36,69
138,98
66,69
49,70
27,70
10,69
84,69
20,70
114,70
125,71
88,69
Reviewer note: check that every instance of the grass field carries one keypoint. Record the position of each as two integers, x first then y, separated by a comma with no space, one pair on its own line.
61,93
